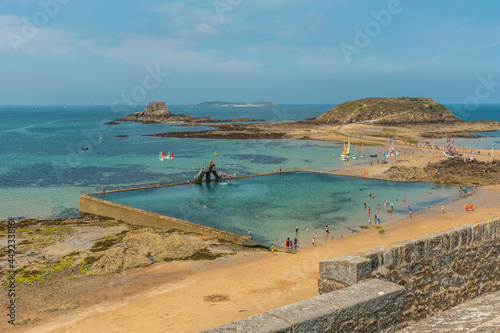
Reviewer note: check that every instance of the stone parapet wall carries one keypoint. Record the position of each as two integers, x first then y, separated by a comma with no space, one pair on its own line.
370,306
438,271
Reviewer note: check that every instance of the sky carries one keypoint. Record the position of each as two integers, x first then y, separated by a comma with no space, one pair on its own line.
68,52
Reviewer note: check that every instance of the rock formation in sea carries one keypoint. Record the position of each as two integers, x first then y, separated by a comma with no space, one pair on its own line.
158,112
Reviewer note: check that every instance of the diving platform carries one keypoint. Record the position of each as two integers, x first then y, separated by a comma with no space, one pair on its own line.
207,171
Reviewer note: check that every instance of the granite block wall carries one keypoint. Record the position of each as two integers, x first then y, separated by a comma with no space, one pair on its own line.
438,271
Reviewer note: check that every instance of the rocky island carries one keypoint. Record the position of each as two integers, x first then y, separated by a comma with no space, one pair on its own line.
405,118
157,112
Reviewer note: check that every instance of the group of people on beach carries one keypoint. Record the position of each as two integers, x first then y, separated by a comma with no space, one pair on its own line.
292,245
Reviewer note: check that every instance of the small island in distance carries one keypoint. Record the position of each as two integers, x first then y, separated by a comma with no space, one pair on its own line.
226,104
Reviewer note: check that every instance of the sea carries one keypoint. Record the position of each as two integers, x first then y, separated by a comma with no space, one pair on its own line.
43,168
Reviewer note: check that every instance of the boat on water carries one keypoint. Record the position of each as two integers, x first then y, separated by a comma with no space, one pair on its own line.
346,153
373,155
448,149
354,157
165,156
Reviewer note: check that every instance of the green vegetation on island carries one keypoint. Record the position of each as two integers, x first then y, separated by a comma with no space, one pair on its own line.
389,111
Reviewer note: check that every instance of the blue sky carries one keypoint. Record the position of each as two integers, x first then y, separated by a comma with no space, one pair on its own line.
285,51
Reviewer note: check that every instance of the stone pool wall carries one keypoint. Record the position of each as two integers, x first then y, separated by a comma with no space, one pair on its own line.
387,288
95,206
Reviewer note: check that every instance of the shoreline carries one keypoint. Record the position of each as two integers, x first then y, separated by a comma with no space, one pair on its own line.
187,295
203,294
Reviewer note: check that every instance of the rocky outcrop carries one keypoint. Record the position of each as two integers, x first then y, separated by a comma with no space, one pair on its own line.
141,248
398,111
450,171
158,113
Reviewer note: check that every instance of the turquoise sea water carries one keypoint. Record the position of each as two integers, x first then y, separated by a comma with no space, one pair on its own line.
272,206
43,170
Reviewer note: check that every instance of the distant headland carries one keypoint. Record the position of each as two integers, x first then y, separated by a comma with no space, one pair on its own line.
157,112
237,104
404,118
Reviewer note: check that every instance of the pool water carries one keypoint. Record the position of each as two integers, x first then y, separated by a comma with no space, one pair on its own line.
273,206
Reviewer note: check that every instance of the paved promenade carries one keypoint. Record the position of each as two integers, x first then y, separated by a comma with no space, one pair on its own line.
478,315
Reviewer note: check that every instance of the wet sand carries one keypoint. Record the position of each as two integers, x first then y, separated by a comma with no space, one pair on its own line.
185,296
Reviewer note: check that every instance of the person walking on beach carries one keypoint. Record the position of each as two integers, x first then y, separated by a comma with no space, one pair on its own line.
249,234
295,241
442,208
296,230
273,249
316,236
288,243
313,241
409,211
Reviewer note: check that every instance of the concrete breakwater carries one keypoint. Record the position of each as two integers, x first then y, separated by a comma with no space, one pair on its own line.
135,216
388,288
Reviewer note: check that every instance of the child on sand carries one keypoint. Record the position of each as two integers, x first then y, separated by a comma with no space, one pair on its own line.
273,249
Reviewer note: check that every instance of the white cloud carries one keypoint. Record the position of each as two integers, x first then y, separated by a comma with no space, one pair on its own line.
19,37
10,20
237,66
206,29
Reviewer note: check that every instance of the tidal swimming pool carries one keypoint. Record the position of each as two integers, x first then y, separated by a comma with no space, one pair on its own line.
273,206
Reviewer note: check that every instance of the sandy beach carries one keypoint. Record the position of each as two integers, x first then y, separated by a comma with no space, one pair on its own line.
187,296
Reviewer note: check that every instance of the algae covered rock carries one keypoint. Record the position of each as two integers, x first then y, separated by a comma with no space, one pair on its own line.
141,248
111,262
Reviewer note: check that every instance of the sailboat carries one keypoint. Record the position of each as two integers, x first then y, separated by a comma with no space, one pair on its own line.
345,154
355,152
362,151
164,156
